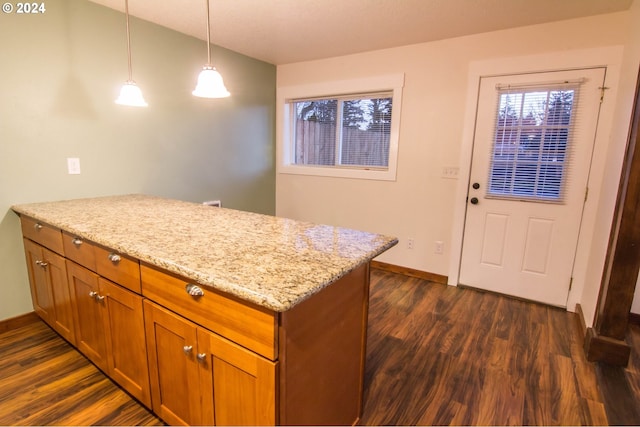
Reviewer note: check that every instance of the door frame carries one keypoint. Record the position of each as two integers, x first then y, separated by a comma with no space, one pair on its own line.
609,57
605,342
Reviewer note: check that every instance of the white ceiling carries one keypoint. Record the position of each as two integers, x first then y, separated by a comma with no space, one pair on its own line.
286,31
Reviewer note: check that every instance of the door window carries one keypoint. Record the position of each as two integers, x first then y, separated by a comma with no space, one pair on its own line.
531,144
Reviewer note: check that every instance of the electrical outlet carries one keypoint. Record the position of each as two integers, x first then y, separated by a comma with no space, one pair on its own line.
439,249
410,243
73,165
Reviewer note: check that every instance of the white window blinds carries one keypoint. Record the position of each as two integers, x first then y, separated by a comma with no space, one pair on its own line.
343,131
531,152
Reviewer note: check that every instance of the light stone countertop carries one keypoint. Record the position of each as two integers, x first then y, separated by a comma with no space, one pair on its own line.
271,261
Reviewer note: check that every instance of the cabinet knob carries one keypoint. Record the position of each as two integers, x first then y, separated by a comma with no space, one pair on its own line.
202,357
37,226
76,241
93,294
194,290
187,349
114,258
99,298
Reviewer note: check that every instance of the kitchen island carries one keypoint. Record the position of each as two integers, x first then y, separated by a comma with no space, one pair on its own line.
208,315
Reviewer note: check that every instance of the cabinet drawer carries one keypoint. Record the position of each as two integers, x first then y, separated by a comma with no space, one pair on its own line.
45,234
118,267
79,250
245,323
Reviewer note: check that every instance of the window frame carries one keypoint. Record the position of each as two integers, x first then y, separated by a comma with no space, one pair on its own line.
372,85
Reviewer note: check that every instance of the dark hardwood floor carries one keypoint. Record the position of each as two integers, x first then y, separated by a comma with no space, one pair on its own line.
633,370
442,355
45,381
620,386
437,355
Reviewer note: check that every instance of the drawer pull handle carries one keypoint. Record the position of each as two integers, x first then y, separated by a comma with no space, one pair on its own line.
96,296
42,264
76,241
114,258
194,290
37,226
202,357
187,349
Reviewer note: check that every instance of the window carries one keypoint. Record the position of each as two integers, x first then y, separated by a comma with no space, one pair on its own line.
531,144
352,131
343,129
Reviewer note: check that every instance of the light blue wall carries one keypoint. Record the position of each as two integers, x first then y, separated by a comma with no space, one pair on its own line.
59,74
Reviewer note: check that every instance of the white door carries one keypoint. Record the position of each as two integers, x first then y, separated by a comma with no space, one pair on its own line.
532,151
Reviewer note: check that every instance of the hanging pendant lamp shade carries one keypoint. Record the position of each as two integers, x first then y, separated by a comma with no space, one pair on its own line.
130,93
210,84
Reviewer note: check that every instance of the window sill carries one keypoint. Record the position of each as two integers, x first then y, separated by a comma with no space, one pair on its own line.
338,172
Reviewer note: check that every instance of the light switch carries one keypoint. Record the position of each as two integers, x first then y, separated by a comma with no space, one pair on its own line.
450,172
73,165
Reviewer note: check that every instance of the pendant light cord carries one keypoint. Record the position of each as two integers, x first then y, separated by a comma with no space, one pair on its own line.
208,36
126,11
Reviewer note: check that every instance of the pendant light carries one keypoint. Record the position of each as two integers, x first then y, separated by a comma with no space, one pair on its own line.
130,94
210,84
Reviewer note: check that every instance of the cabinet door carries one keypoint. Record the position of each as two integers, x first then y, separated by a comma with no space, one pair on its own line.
127,356
173,368
64,310
40,290
90,314
238,386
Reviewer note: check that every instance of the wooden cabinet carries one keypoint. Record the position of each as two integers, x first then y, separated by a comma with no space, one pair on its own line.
195,354
121,269
42,233
64,321
126,343
323,352
198,377
173,369
90,336
238,387
79,250
110,329
242,322
49,288
41,294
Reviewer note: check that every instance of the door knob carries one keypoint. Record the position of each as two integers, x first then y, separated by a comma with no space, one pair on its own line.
476,185
474,200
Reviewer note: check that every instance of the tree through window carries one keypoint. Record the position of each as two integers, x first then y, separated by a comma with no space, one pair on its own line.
349,131
531,144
